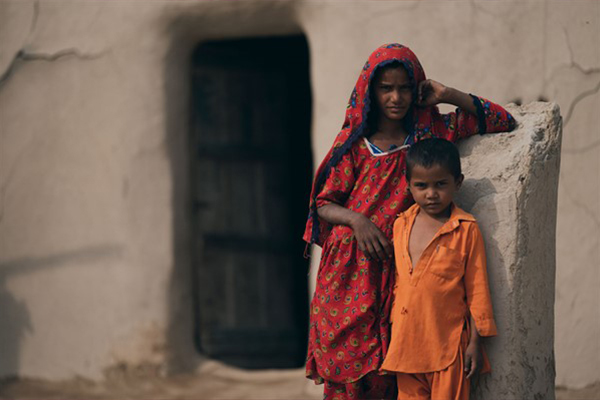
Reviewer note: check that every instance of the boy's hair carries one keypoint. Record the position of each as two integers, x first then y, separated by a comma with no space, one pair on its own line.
429,152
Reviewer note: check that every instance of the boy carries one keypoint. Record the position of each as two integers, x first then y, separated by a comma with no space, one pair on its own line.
442,301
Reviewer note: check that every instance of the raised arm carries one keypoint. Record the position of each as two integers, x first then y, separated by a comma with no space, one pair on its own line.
473,115
431,93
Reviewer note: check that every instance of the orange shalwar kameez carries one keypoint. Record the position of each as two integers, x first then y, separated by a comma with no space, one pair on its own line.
432,305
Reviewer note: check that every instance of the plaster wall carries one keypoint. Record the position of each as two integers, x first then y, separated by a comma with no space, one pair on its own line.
94,269
506,51
511,188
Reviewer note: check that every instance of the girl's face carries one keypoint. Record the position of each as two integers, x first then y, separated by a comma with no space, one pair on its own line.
392,93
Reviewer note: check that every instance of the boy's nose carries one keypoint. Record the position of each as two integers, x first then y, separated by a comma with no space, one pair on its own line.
431,194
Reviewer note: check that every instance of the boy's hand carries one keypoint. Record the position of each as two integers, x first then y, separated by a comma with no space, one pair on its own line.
370,239
473,359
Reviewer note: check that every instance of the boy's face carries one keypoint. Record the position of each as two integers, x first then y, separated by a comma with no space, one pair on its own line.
393,93
433,189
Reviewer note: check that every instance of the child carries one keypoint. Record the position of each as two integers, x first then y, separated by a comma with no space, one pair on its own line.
358,190
442,301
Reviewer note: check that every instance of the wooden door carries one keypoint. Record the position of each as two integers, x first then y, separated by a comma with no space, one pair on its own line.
251,173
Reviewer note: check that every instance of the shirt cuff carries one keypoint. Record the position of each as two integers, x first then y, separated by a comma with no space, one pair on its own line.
481,122
486,327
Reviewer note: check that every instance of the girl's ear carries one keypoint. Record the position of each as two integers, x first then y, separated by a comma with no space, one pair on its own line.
459,181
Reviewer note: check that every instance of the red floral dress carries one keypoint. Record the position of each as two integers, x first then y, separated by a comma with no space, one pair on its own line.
349,313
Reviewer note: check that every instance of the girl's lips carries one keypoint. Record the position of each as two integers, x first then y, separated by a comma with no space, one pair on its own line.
396,109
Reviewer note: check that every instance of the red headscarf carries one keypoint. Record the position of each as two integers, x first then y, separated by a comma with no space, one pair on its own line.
418,121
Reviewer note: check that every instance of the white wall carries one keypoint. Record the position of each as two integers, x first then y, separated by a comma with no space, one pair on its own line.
504,51
93,122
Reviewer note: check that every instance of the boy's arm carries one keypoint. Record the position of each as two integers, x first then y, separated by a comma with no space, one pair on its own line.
476,285
473,358
478,300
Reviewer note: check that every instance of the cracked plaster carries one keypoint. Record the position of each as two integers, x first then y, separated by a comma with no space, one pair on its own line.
524,50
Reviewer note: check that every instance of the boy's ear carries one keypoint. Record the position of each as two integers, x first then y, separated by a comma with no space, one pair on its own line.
459,181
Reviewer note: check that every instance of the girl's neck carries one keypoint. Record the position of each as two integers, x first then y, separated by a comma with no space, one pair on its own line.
390,129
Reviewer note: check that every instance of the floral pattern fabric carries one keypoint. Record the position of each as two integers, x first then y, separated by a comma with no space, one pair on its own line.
349,313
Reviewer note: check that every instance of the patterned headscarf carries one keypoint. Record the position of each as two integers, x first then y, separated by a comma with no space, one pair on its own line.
418,122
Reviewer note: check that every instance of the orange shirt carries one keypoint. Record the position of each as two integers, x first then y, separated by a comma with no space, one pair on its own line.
448,283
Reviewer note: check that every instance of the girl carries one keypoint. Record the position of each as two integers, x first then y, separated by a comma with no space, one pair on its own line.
359,189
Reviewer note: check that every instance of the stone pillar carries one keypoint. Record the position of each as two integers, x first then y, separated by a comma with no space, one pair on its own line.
511,182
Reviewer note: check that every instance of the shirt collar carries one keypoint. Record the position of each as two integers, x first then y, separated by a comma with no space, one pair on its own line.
457,214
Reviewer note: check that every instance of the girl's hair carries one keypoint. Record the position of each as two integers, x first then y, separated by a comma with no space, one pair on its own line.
428,152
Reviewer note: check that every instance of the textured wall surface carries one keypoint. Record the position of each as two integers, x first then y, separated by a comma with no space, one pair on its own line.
94,265
94,254
505,51
86,190
511,183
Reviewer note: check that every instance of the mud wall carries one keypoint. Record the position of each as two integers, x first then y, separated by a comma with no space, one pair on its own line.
94,265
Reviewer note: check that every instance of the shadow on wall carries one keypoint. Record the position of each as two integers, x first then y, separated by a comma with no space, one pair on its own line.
182,356
15,318
475,191
473,194
15,323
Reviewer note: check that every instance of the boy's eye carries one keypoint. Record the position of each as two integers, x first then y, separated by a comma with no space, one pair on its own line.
440,184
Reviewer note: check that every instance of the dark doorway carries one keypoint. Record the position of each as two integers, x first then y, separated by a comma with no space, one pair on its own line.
251,172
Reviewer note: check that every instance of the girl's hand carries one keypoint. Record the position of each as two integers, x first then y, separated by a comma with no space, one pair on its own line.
370,239
430,93
473,360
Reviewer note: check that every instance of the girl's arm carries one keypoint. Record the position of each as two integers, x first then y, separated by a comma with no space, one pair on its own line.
369,237
473,115
431,93
335,190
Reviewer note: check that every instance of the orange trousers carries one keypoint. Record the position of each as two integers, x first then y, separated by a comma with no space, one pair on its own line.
448,384
369,387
